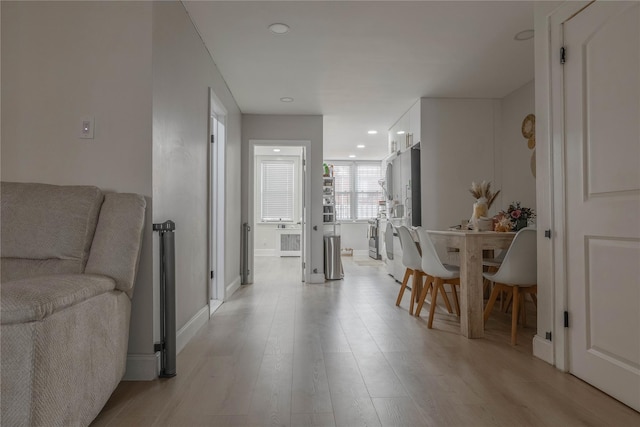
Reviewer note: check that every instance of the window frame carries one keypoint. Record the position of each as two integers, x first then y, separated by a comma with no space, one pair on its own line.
353,182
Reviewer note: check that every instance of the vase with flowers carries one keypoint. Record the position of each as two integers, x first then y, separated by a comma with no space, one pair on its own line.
518,216
484,199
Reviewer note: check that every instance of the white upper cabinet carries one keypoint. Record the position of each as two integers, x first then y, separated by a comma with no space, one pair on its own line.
406,131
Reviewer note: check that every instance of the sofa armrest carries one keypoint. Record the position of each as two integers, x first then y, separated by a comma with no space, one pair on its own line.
36,298
115,251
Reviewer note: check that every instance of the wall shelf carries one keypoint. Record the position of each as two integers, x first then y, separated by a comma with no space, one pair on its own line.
329,202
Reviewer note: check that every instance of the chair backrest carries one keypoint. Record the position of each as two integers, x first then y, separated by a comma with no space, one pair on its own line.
410,255
520,265
431,263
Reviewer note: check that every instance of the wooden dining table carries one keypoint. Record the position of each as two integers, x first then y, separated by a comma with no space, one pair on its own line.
471,244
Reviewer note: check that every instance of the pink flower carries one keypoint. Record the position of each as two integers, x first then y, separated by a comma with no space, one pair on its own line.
516,214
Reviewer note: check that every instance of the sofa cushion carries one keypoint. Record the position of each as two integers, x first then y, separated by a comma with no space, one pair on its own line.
20,268
48,222
33,299
115,251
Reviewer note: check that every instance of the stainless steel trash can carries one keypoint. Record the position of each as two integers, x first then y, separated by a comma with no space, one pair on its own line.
332,261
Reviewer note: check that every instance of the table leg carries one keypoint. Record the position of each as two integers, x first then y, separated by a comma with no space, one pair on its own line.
471,312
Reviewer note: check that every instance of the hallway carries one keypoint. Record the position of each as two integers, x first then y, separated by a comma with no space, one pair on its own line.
283,353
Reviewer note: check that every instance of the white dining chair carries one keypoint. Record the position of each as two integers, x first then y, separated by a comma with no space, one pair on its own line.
413,262
439,274
517,276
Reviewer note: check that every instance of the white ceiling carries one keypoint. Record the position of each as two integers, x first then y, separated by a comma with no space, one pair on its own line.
363,64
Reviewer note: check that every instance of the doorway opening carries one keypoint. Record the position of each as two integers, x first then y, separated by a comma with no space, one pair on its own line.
217,144
278,214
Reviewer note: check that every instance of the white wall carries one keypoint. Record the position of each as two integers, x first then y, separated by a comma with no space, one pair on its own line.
63,61
183,71
264,239
299,128
354,235
142,71
458,143
516,180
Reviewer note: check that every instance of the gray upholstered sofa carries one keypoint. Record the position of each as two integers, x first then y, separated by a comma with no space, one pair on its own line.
69,261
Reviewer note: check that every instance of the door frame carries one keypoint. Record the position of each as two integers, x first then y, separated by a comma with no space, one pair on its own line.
551,199
306,211
216,203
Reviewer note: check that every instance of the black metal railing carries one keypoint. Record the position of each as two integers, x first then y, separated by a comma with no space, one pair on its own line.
167,344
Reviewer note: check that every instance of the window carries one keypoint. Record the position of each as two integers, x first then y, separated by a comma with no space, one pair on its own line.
342,175
277,190
368,190
357,189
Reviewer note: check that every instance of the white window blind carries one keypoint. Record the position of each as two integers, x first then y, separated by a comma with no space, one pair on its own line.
343,187
357,189
368,190
277,190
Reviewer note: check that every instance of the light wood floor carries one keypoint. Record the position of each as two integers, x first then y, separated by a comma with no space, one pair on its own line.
282,353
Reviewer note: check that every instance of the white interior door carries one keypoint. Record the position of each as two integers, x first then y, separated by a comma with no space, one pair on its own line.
213,203
602,136
217,143
303,213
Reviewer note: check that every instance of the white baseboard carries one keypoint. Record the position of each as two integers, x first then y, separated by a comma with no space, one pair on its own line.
188,331
264,252
146,367
232,287
316,278
142,367
543,349
213,306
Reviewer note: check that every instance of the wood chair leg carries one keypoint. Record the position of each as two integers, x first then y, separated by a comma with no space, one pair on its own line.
497,289
418,275
434,297
446,298
523,310
455,298
403,286
485,285
428,285
531,291
412,299
514,314
415,288
507,303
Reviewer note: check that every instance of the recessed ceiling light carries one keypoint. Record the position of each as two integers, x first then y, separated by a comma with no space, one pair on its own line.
372,132
400,132
286,99
360,145
277,150
279,28
524,35
352,156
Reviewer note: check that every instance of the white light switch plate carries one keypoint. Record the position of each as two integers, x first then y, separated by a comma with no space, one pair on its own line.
86,127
